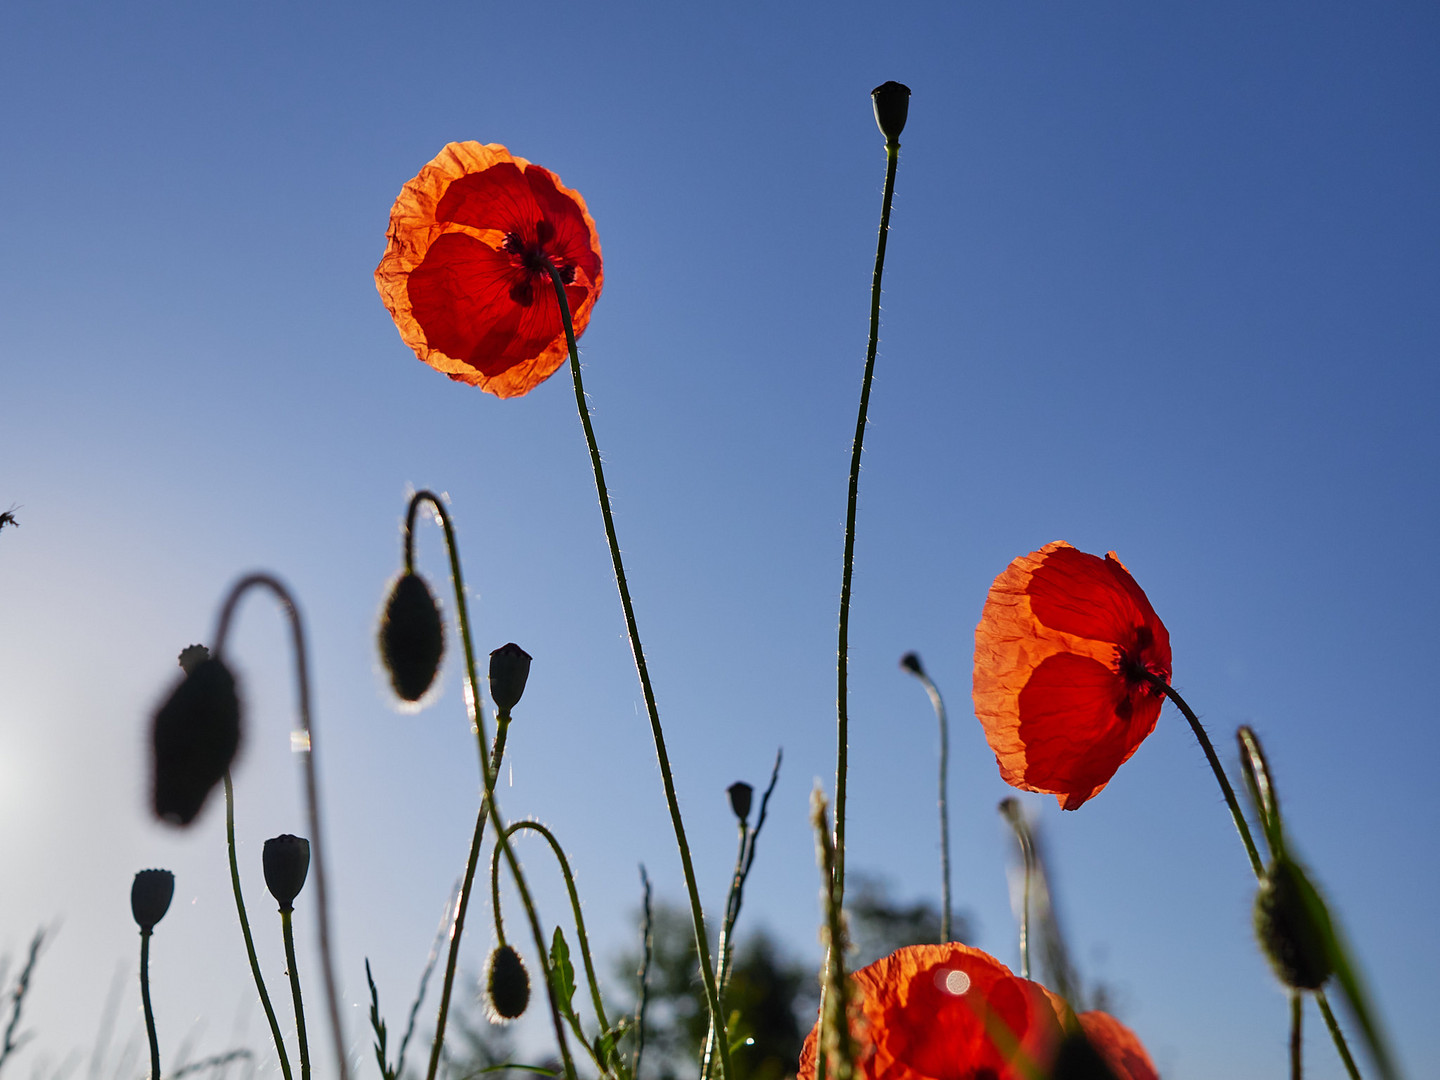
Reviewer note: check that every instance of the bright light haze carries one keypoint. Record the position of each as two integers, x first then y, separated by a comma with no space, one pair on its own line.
1161,280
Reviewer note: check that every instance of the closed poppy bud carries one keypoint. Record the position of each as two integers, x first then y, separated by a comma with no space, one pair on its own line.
192,656
740,795
507,985
412,638
287,861
150,897
892,106
1293,926
911,663
196,734
509,670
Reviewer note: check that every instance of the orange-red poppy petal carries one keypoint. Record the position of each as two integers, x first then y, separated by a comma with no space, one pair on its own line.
463,272
1119,1046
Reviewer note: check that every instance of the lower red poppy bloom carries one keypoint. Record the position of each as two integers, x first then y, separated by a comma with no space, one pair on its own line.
1060,656
946,1012
466,268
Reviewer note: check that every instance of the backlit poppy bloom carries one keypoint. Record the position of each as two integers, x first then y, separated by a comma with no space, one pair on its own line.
1059,659
466,268
946,1012
1118,1045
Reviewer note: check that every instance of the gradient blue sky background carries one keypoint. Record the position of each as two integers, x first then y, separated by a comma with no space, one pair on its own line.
1161,279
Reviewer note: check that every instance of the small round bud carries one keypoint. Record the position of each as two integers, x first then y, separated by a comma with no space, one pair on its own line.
150,897
507,985
195,736
740,794
412,638
911,663
287,861
192,656
892,106
509,670
1293,926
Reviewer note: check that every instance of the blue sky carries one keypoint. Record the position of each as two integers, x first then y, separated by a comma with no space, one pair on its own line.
1160,280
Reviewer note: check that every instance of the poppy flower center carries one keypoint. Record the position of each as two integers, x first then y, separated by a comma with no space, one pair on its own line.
1136,661
534,260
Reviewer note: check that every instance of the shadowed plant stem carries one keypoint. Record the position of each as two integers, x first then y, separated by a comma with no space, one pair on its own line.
245,929
702,943
842,690
1337,1035
288,931
303,742
145,998
487,775
1297,1011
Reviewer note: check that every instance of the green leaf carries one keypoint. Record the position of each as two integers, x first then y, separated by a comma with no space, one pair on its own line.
562,972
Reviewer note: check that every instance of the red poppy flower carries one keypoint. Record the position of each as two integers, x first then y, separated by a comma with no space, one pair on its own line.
946,1012
466,268
1059,655
1119,1046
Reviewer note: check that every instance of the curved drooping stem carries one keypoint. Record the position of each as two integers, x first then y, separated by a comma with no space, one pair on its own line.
487,773
1010,808
245,929
303,742
697,914
145,1000
911,663
842,665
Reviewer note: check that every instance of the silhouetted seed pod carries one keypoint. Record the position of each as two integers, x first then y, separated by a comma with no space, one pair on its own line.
892,107
741,795
509,670
911,663
192,656
1293,926
150,897
196,734
412,638
507,986
287,861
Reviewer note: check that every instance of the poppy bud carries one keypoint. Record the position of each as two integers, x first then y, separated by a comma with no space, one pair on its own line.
191,657
509,669
150,897
911,663
287,861
196,734
507,986
740,795
892,106
1293,926
412,639
1078,1059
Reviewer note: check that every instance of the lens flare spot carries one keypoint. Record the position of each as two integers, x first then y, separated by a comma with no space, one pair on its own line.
299,742
953,982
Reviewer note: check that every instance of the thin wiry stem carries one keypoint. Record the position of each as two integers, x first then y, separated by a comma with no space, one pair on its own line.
145,1000
911,663
647,936
1336,1035
245,929
306,745
842,691
1010,808
1297,1012
697,914
287,930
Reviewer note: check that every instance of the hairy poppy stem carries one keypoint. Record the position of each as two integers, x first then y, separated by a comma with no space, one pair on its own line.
288,931
145,999
842,691
1297,1012
697,914
911,663
1215,767
1336,1035
245,929
487,774
305,744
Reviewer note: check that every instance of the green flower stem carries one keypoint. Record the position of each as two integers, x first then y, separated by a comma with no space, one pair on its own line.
1010,808
145,998
938,704
487,771
294,970
582,938
842,692
1215,766
245,929
697,914
1297,1012
647,946
1336,1035
835,993
312,792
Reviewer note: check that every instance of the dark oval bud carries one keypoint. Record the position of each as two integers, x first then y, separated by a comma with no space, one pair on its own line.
1078,1059
1293,926
150,897
412,638
740,794
507,985
195,736
892,107
192,656
287,861
509,670
911,663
